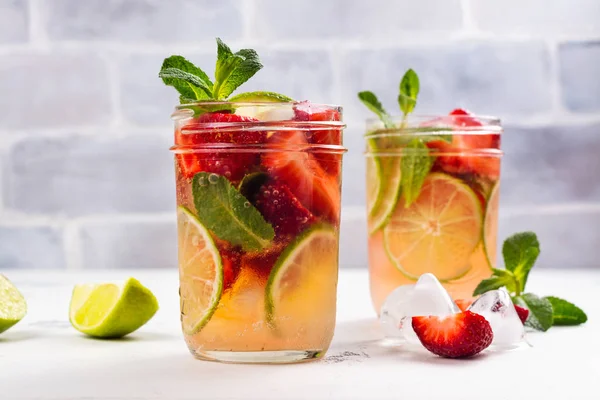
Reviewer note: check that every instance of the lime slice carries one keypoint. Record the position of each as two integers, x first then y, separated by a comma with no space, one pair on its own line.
438,232
301,290
108,310
490,226
260,97
383,187
200,272
12,304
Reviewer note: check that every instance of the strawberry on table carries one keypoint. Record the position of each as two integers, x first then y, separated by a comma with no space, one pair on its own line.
305,111
282,210
455,336
231,165
289,162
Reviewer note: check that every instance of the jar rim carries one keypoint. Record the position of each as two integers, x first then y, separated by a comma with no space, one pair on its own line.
417,122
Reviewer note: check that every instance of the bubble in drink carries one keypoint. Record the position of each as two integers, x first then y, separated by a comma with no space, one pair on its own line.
213,178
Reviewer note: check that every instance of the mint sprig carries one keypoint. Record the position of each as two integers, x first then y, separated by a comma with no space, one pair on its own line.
228,214
231,71
372,102
520,252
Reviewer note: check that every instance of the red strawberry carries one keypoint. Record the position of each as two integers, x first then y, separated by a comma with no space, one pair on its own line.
232,165
456,336
306,111
461,162
522,312
231,260
262,262
281,208
289,162
463,304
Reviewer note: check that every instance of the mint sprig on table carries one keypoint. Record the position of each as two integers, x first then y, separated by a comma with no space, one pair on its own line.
228,214
416,161
520,252
231,71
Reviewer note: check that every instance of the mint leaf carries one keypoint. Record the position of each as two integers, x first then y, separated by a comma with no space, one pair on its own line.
415,164
493,283
190,81
251,183
231,217
372,102
233,69
520,252
509,279
540,311
566,313
409,90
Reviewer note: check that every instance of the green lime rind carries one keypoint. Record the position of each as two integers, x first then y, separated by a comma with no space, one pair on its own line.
260,97
13,306
494,192
414,277
136,306
216,295
388,190
285,260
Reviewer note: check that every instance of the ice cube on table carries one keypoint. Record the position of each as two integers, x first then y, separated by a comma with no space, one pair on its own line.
426,297
498,309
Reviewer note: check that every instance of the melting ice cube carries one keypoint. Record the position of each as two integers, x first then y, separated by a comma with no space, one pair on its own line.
426,297
497,308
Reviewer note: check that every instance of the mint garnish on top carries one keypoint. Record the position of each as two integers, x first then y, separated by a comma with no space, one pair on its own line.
520,253
231,71
228,214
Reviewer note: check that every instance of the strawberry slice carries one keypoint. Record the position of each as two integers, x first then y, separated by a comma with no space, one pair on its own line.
305,111
463,304
232,165
289,162
522,312
456,336
231,260
460,162
281,208
262,262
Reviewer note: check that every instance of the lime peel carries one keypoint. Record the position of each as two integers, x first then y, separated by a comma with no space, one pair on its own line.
13,306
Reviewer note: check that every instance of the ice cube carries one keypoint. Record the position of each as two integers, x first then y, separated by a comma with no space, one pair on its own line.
498,309
426,297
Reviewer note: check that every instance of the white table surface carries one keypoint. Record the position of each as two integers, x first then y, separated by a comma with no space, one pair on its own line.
44,358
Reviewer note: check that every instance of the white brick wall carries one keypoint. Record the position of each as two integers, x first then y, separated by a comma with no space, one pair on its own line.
86,178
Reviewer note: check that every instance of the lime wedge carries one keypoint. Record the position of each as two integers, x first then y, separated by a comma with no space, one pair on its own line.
200,272
260,97
301,290
438,232
12,304
490,226
108,310
383,187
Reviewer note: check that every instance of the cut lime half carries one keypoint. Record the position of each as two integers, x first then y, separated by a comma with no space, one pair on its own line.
490,226
12,304
200,272
108,310
301,290
438,232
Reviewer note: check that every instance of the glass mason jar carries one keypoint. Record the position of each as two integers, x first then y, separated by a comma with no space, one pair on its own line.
258,197
432,201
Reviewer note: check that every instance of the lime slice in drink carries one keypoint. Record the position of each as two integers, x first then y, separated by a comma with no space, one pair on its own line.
301,290
438,232
12,304
383,187
490,226
108,310
200,272
260,97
